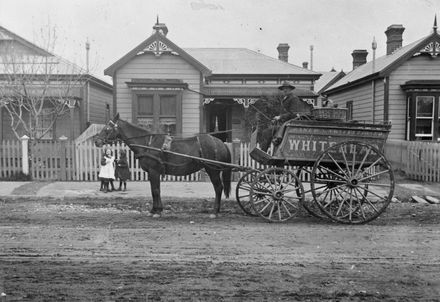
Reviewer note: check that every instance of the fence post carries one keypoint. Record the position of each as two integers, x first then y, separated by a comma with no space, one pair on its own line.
235,157
63,141
25,154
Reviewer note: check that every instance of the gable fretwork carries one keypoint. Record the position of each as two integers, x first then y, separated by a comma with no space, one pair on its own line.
431,48
158,48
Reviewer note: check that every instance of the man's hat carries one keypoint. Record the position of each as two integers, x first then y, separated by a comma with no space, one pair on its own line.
286,84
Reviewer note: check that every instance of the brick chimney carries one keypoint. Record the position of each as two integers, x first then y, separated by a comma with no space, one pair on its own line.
359,57
283,52
306,65
394,37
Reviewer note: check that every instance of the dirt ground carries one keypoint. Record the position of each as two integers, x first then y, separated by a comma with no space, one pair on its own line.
88,250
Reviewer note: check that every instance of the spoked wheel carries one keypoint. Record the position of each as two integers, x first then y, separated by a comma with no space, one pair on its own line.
243,192
359,182
279,200
309,202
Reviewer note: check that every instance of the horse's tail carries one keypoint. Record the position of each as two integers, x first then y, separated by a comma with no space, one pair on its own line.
227,176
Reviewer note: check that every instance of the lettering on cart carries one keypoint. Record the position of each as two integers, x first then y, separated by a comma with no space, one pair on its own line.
321,146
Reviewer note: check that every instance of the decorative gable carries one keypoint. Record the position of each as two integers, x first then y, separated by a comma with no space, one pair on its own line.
158,47
432,48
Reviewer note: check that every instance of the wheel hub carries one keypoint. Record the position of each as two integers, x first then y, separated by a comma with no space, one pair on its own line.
353,182
278,195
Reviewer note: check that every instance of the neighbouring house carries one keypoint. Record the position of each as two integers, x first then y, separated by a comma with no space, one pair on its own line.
80,98
185,91
327,79
402,86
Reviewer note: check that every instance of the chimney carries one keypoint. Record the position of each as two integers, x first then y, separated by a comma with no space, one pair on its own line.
394,37
359,57
283,52
306,65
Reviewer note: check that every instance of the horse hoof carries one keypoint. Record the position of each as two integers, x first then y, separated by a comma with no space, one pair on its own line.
156,215
212,216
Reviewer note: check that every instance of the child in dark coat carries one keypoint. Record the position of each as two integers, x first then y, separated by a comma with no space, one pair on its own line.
122,170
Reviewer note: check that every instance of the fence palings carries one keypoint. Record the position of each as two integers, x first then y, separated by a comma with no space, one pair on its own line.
422,161
10,158
63,160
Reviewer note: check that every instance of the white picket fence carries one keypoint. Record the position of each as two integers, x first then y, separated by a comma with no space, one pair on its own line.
88,158
67,160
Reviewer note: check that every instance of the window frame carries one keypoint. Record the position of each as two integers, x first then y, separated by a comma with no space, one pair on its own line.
349,106
45,118
412,118
156,116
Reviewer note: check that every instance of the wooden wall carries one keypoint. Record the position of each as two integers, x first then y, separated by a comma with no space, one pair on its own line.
167,66
417,68
99,97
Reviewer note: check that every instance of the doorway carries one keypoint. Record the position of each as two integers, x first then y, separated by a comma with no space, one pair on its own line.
219,120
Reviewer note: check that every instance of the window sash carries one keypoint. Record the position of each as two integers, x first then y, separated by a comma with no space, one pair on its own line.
164,113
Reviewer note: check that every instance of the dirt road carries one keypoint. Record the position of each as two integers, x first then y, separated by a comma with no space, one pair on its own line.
83,250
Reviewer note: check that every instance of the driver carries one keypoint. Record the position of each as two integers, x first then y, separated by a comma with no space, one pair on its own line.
292,108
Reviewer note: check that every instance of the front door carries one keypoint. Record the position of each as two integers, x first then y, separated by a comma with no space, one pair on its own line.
219,120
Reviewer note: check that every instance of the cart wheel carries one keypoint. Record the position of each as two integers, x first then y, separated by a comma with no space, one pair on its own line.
243,192
359,182
277,188
309,202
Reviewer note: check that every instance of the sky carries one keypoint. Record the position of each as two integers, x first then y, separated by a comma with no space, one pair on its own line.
114,27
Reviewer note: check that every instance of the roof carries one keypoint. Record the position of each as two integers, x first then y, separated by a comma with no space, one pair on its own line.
383,65
247,91
327,79
157,43
220,61
244,61
38,61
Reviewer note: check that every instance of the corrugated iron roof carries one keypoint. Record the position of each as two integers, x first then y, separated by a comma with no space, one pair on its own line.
40,61
380,64
325,79
244,61
249,91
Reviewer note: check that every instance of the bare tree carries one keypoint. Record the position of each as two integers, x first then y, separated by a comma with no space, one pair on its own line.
36,87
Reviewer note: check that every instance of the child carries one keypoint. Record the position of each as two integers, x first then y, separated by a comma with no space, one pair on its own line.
107,172
102,163
122,170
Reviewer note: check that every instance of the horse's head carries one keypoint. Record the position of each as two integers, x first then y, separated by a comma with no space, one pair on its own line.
109,133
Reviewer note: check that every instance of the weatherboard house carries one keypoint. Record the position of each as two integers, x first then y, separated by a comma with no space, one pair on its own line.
50,78
184,91
402,87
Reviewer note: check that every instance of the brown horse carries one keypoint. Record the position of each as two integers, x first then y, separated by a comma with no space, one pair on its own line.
156,161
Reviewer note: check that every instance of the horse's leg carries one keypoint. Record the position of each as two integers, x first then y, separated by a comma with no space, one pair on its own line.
154,177
214,176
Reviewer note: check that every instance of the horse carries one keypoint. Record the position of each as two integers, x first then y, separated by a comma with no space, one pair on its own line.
156,161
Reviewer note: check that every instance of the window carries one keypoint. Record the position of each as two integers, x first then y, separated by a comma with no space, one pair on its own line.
349,106
424,122
44,122
158,111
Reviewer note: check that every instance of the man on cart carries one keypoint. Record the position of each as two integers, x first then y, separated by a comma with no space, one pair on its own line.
292,108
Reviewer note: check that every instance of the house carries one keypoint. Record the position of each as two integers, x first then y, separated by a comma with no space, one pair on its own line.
326,80
402,86
185,91
80,98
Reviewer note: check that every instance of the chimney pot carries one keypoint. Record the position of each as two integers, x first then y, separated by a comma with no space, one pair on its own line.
359,57
305,65
394,37
283,52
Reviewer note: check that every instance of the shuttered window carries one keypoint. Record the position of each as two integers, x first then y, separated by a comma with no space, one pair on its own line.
158,111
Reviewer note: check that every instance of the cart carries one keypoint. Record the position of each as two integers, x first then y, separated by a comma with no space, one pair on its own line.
333,169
